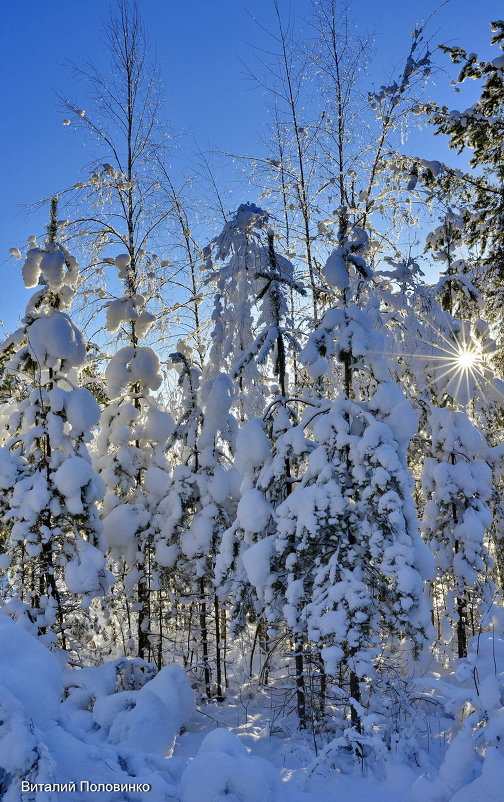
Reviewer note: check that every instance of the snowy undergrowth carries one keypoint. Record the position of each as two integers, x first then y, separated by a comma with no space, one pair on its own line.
114,723
450,748
122,723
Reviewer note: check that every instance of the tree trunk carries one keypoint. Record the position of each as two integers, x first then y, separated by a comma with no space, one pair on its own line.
204,638
300,684
143,619
356,696
218,657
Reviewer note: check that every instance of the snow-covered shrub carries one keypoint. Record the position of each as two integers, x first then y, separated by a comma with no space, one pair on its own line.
473,696
98,733
224,770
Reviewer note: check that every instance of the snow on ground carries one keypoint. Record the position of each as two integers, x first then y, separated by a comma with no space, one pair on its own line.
288,752
123,723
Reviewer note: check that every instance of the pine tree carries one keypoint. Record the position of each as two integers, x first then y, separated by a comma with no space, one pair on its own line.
53,534
479,128
268,352
198,508
457,484
237,284
348,531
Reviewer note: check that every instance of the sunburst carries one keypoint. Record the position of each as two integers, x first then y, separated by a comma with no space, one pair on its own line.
457,368
457,365
467,360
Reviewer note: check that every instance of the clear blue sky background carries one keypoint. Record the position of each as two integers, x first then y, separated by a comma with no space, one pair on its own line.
199,44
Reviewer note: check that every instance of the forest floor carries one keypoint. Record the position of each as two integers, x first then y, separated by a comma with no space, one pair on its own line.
111,725
304,775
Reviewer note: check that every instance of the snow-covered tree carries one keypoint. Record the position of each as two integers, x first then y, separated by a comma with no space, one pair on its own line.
268,351
131,461
353,517
480,129
198,507
121,207
53,537
121,203
457,485
350,554
252,271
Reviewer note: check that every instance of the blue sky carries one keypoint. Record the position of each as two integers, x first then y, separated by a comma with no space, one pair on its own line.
200,45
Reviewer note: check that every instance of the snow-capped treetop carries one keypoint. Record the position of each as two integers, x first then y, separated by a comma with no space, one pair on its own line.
237,232
350,252
133,367
52,265
252,272
345,331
